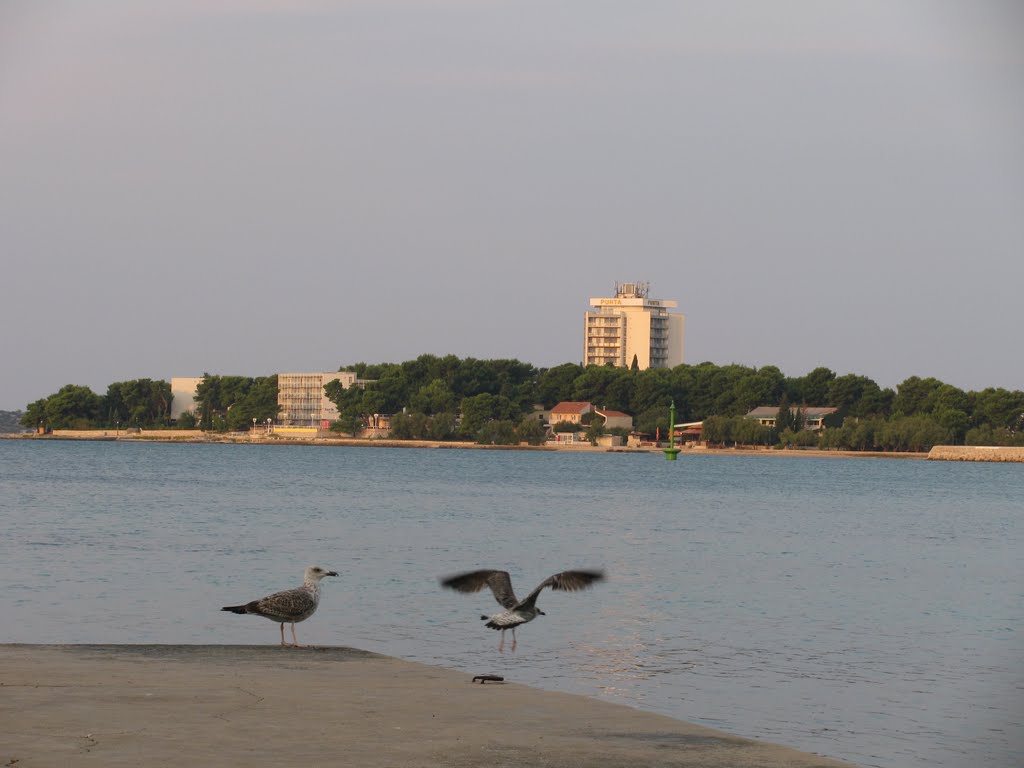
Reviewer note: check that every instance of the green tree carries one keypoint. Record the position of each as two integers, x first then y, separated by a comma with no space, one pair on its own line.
998,408
652,422
910,433
402,426
501,432
784,417
654,388
718,430
71,407
530,431
139,402
565,427
859,396
916,396
595,429
555,385
348,424
749,431
441,426
813,388
989,435
756,387
256,399
433,397
717,392
955,422
605,386
231,402
797,438
480,409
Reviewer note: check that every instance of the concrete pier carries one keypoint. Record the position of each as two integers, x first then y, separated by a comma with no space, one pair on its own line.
141,706
976,453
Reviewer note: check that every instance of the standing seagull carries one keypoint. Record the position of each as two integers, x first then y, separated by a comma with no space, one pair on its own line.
291,605
516,611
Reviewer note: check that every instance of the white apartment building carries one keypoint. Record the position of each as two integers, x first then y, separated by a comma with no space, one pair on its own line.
302,400
633,324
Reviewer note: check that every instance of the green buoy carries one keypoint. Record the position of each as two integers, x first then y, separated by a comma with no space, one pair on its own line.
671,452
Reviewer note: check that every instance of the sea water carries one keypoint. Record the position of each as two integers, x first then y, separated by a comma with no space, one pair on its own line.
866,609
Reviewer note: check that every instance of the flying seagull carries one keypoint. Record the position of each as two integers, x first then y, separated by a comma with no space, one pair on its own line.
291,605
516,611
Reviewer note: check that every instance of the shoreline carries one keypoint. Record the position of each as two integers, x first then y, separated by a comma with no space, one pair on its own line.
231,705
350,442
959,453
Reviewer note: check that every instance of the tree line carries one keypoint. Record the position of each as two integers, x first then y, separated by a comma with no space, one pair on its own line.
920,412
224,403
136,403
495,400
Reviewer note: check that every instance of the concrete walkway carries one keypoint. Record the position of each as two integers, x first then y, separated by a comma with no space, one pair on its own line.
211,706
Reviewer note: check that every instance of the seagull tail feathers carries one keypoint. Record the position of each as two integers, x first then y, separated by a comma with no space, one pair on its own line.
482,618
234,608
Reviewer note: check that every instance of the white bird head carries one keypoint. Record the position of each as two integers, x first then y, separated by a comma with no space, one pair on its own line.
315,572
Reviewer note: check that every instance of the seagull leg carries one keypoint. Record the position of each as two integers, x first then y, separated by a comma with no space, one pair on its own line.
501,645
295,638
513,638
283,643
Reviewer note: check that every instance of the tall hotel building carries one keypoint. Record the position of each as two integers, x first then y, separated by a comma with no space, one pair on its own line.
633,324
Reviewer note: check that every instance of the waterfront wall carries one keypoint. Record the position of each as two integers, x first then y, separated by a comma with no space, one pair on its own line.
976,453
93,434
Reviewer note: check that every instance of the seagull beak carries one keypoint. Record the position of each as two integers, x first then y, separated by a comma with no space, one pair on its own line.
331,573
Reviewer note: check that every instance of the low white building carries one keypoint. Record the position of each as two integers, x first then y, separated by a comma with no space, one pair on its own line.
615,419
183,395
813,417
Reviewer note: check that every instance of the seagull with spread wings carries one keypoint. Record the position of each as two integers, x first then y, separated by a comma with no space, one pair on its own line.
516,611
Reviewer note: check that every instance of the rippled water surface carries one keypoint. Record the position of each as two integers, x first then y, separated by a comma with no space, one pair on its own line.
866,609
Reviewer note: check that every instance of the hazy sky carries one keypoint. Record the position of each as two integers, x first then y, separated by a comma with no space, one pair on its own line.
250,187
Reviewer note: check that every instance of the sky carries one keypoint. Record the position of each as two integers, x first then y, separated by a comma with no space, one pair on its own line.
254,186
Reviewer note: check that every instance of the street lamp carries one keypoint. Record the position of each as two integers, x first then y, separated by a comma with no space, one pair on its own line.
268,426
254,425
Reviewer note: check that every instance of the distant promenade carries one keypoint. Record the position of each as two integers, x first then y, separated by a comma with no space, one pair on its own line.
938,453
251,706
276,438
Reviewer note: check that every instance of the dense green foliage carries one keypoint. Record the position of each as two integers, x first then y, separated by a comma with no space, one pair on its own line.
444,398
232,402
225,402
137,403
493,401
141,402
427,392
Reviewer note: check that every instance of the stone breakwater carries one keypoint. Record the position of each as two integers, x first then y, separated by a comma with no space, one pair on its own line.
976,453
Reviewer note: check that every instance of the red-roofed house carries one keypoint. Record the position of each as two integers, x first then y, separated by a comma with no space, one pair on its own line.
570,411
